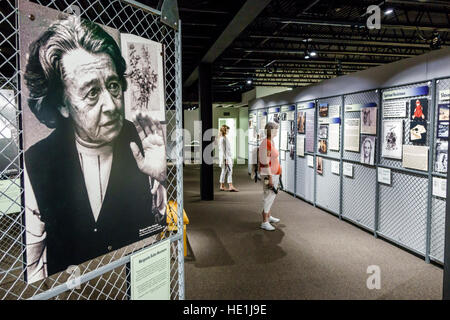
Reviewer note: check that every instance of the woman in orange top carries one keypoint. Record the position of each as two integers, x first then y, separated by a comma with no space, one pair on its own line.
270,170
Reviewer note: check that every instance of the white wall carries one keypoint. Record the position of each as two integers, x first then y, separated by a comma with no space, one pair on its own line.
189,117
243,140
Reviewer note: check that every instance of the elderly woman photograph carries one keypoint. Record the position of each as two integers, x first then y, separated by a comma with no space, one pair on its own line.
96,183
225,160
270,170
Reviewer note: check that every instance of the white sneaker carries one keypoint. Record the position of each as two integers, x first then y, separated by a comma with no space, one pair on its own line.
267,226
273,219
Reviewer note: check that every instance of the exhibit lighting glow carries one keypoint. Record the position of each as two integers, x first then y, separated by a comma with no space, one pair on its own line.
249,81
388,11
313,54
307,56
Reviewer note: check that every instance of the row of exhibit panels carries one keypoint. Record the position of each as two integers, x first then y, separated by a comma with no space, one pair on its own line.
375,158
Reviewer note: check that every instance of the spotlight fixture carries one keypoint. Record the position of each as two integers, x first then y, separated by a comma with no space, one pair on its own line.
249,82
388,11
307,56
313,53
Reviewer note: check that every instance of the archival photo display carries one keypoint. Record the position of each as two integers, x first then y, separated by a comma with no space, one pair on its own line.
369,120
95,167
392,136
368,148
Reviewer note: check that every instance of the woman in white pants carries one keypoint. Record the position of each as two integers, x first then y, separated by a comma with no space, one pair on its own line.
225,160
270,170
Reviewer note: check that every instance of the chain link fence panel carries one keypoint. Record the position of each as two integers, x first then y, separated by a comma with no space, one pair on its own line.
403,210
106,277
328,188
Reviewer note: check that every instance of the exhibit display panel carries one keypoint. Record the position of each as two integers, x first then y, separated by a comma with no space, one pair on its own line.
403,205
136,43
359,190
440,150
328,184
287,147
305,174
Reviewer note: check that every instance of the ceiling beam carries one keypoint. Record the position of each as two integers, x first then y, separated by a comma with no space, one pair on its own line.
356,24
344,41
342,52
249,11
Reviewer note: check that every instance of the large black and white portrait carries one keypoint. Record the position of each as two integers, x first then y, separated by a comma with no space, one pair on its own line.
368,149
94,178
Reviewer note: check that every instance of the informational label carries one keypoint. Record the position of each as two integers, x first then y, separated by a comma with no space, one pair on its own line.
335,167
284,140
282,155
444,95
415,157
300,145
334,134
351,135
150,273
439,187
334,111
404,93
384,176
10,199
323,120
394,109
308,105
348,169
310,161
358,106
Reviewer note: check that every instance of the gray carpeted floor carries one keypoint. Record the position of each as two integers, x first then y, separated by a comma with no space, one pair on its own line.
311,255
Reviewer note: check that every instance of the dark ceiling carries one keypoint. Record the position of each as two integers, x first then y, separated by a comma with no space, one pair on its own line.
271,50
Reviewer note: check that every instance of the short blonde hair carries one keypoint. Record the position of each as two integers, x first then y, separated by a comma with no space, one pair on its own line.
223,130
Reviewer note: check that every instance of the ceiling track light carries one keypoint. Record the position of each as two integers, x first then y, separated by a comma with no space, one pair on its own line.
388,11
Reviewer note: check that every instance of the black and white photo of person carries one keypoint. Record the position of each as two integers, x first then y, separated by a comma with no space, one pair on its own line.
369,120
96,183
368,149
441,156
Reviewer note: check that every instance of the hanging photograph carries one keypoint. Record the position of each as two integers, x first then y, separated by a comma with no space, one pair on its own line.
440,164
418,132
322,146
323,131
419,109
369,120
323,110
301,122
392,136
368,148
95,174
319,165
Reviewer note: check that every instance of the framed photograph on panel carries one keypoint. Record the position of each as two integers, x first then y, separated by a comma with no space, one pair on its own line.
369,120
368,147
